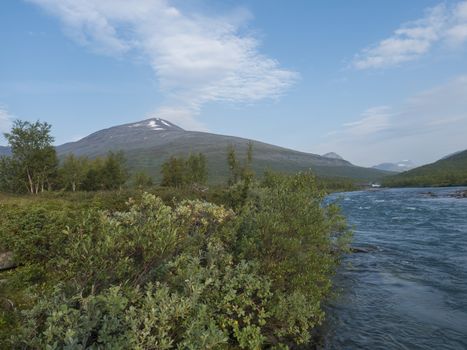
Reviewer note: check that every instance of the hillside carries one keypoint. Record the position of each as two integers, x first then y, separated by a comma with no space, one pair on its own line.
148,143
448,171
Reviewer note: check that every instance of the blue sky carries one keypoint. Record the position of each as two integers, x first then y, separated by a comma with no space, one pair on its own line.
371,80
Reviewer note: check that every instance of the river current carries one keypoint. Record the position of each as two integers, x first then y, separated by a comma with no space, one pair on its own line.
408,290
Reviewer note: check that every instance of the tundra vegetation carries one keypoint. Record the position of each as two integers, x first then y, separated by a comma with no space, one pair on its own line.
247,265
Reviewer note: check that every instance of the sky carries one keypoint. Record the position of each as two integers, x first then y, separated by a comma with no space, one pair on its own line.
374,81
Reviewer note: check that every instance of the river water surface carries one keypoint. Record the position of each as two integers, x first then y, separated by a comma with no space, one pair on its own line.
409,291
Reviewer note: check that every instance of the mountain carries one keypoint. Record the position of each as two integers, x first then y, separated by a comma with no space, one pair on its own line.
148,143
452,154
403,165
4,151
332,155
448,171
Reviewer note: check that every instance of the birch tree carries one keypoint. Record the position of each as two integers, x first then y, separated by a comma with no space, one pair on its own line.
74,171
33,154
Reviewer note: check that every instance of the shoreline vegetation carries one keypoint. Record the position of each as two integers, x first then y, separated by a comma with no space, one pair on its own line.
131,265
249,268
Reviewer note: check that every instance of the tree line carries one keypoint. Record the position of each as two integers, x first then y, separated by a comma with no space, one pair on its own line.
179,172
34,167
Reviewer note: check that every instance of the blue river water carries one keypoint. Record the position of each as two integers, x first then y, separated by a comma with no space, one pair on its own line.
409,289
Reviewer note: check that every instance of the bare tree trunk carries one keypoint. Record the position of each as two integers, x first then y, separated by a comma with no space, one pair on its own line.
31,185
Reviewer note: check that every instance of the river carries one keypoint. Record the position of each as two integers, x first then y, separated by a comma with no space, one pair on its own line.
409,290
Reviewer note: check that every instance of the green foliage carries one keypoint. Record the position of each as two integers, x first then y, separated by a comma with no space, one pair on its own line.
233,165
174,172
11,180
33,166
107,173
238,171
330,184
114,173
33,162
288,231
178,172
196,167
192,275
142,180
73,172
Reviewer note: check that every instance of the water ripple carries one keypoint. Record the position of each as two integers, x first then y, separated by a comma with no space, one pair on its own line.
410,291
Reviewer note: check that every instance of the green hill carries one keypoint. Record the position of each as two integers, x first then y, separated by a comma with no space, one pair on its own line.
148,143
449,171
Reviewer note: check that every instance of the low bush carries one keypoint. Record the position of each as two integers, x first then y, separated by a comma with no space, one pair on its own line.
250,274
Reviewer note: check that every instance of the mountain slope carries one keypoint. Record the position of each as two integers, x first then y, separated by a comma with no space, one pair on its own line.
448,171
147,144
403,165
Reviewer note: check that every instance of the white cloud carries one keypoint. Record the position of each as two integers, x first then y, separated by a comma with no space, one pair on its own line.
196,58
373,120
181,116
441,24
424,128
6,120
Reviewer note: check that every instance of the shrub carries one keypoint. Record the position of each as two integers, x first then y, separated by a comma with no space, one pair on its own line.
194,275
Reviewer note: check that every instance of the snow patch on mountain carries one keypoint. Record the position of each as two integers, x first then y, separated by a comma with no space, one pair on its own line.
403,165
154,124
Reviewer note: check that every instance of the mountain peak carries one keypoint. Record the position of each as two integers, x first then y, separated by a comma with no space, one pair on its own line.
332,155
157,124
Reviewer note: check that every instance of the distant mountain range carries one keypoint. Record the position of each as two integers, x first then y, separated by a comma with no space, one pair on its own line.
148,143
448,171
403,165
4,151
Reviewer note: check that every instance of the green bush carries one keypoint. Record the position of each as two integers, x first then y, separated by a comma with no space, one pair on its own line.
286,228
192,275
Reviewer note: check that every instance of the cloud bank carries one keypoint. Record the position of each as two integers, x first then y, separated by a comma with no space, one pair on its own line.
425,128
197,58
441,24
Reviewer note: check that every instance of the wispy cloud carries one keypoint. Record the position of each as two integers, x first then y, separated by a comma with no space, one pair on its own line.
6,120
440,24
182,115
426,127
373,120
197,58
